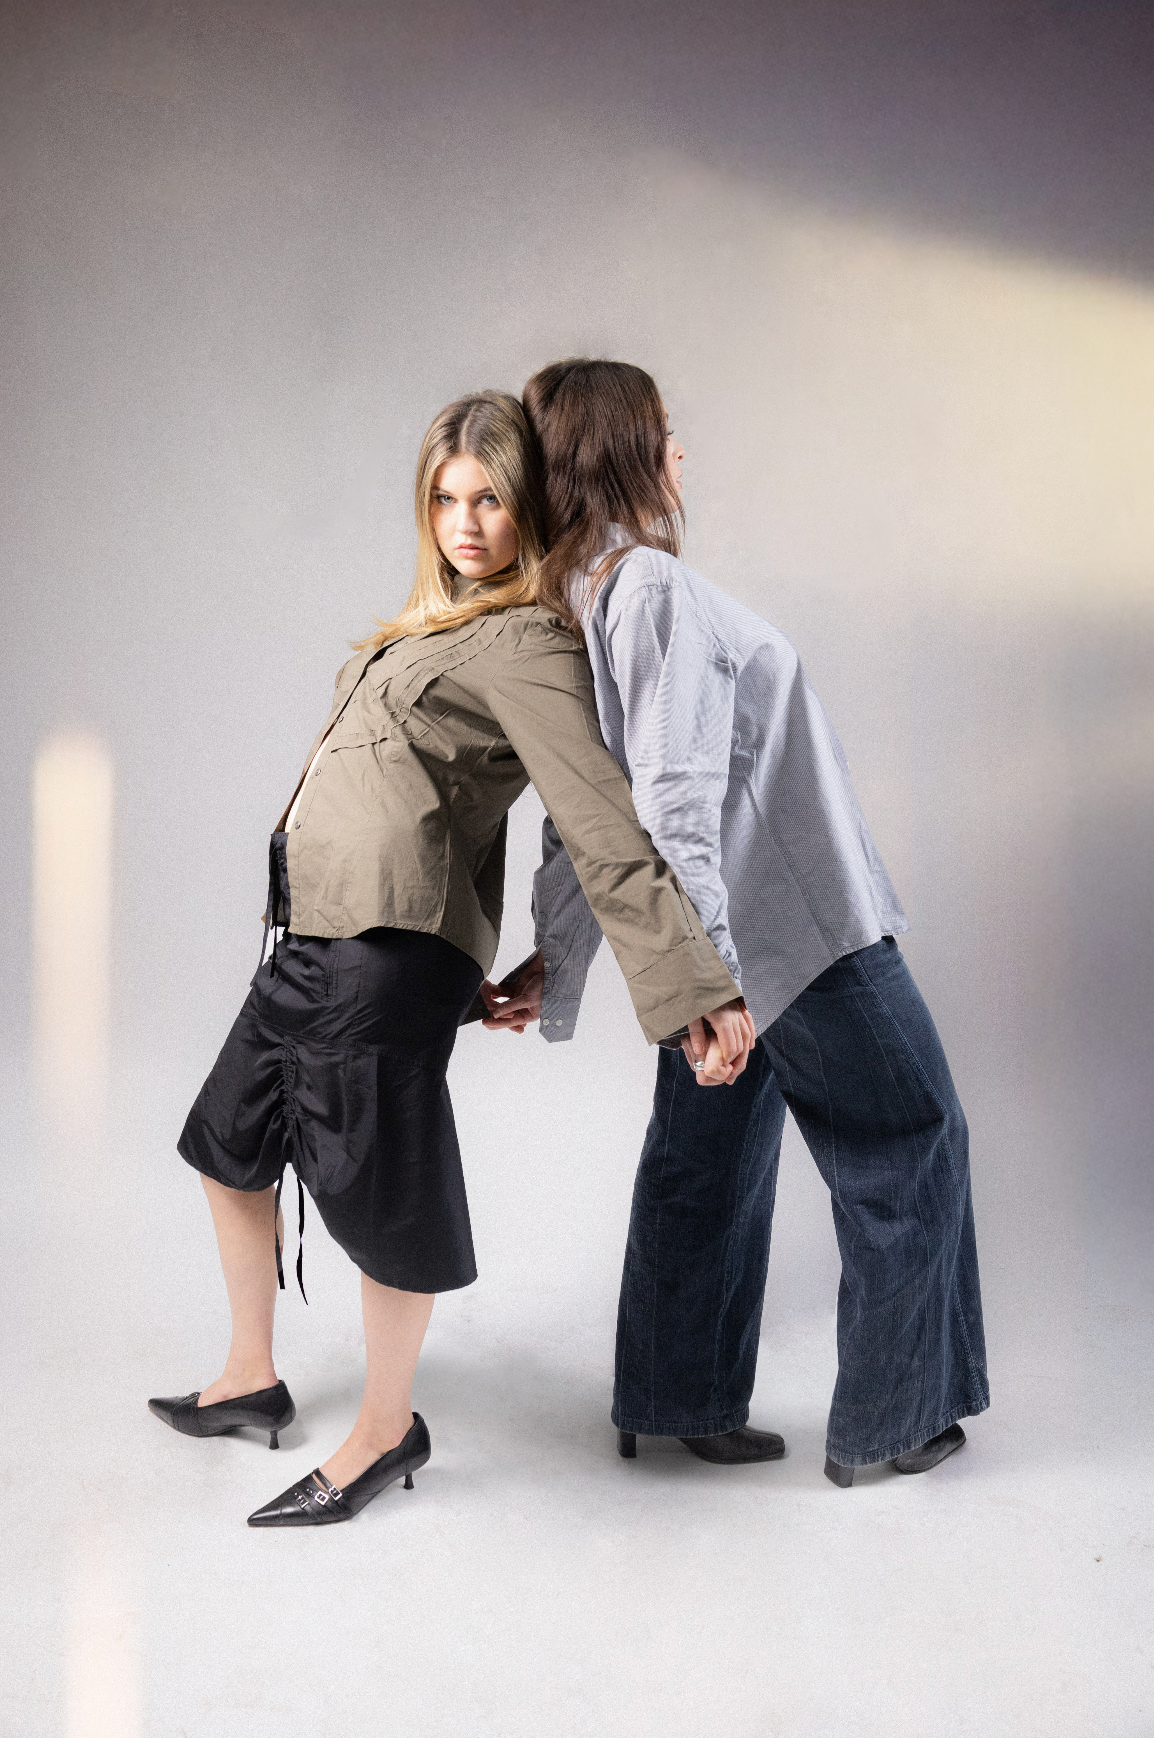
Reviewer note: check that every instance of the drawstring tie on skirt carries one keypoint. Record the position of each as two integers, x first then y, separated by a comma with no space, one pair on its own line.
300,1235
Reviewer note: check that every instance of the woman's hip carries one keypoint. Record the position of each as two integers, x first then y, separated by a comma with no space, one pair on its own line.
382,987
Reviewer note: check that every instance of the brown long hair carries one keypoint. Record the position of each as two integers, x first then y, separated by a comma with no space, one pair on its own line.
491,427
602,431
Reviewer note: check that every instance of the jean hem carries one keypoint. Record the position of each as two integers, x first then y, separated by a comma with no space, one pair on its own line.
719,1425
874,1456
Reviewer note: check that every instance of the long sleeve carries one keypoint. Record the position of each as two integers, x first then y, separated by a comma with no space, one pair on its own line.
676,688
543,699
565,931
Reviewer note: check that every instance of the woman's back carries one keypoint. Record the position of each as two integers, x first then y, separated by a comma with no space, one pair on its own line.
737,775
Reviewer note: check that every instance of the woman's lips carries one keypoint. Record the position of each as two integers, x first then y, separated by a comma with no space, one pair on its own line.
469,549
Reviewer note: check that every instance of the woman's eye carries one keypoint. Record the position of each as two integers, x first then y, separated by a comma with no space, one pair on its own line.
490,501
443,500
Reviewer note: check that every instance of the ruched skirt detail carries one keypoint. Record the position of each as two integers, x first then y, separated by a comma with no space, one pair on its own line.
336,1066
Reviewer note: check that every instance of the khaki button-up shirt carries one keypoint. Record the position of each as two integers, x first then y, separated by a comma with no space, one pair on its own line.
429,743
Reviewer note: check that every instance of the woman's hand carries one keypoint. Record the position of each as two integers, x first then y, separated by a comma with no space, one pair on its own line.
718,1045
514,1006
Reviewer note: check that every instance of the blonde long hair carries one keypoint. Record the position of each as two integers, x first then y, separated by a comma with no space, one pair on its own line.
492,428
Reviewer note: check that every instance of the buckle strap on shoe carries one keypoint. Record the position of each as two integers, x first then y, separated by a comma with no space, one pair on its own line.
327,1494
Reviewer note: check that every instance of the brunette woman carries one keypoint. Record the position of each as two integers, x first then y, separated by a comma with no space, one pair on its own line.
742,785
386,873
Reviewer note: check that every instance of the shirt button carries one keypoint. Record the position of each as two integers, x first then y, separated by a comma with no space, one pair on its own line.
557,1022
545,963
298,823
544,1022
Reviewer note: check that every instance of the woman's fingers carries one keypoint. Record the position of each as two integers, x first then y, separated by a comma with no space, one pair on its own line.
730,1038
697,1043
512,1007
512,1015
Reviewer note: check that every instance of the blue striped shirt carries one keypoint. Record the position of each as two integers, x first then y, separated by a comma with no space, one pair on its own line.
741,783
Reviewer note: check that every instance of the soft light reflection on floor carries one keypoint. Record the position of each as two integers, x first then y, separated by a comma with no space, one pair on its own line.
103,1679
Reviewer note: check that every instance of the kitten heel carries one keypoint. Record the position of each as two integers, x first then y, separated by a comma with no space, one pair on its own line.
274,1439
408,1481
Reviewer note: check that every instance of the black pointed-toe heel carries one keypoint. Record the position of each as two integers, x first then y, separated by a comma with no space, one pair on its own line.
316,1502
842,1476
931,1452
627,1444
270,1409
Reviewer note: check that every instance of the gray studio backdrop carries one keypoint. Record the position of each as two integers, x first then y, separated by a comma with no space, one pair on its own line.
892,268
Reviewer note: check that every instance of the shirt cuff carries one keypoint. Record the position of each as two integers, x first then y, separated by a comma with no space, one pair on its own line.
680,986
558,1018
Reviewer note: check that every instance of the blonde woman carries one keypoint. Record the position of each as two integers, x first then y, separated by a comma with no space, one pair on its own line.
386,872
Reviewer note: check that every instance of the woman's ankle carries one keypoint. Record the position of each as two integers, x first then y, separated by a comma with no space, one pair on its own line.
236,1380
381,1431
368,1440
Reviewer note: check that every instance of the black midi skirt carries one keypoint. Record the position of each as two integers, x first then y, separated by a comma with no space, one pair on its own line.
336,1066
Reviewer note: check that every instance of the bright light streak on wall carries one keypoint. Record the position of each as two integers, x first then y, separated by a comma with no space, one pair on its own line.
71,922
899,412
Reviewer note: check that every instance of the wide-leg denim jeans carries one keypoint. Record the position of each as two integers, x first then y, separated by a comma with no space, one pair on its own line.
858,1061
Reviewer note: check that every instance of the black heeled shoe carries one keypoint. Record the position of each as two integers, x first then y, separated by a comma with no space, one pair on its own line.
309,1504
930,1453
913,1460
268,1409
741,1447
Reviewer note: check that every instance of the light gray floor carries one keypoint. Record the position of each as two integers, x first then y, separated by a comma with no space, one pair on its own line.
533,1582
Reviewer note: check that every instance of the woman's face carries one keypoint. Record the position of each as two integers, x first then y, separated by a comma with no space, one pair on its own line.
472,529
674,455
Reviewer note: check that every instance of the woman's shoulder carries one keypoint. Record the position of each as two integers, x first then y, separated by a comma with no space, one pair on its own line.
643,572
679,601
534,624
643,565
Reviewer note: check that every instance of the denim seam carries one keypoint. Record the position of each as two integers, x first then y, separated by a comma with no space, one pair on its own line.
749,1146
900,1096
932,1090
910,1052
828,1108
656,1249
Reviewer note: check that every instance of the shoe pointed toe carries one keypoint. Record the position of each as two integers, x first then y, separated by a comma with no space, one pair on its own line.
305,1504
179,1412
282,1511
